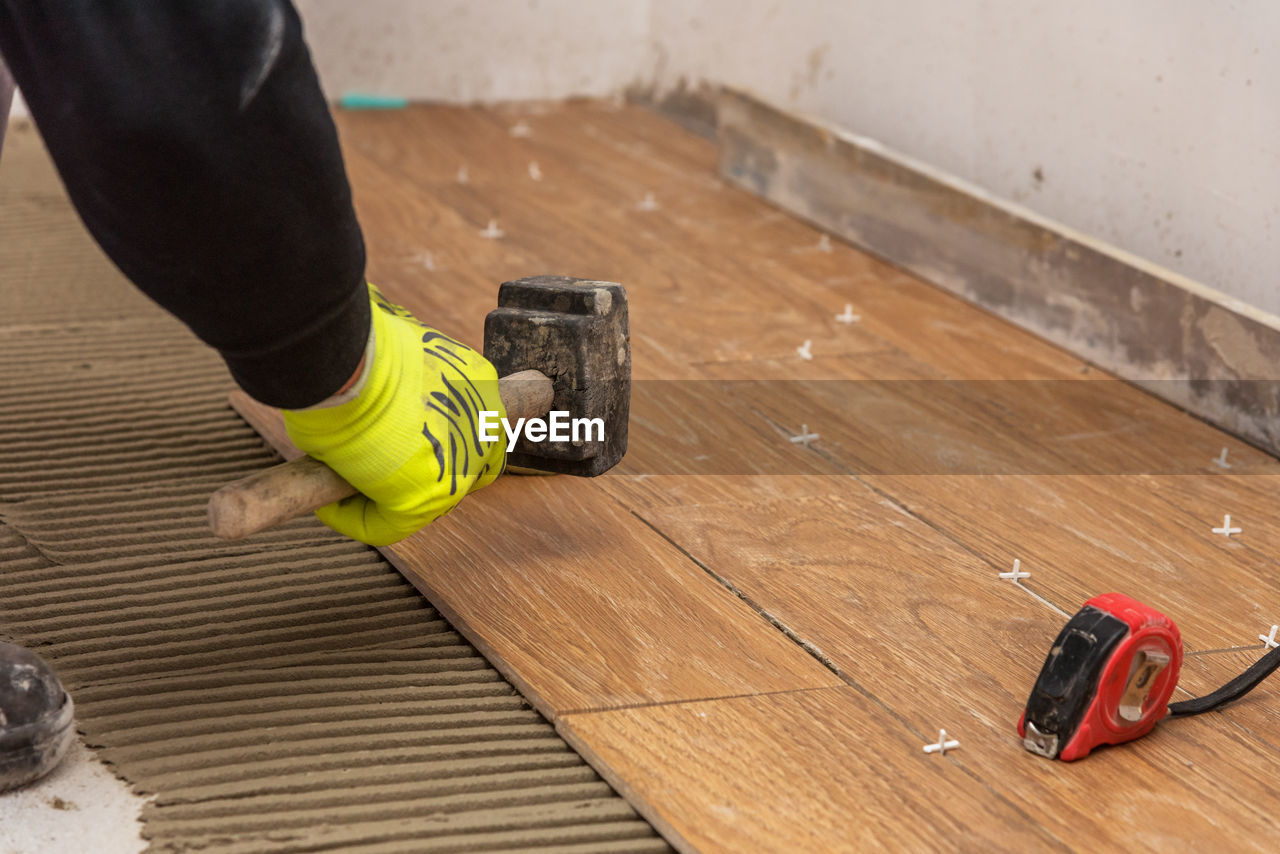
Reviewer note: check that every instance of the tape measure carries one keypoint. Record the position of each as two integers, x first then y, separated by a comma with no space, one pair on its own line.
1108,679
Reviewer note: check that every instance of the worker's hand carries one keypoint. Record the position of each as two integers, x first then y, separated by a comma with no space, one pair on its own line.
408,439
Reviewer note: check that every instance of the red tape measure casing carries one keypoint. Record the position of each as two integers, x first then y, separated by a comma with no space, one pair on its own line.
1107,679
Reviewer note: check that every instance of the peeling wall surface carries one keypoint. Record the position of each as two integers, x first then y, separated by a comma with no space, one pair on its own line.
477,50
1202,352
1153,125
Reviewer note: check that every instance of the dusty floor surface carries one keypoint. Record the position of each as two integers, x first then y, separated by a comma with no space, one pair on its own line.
80,800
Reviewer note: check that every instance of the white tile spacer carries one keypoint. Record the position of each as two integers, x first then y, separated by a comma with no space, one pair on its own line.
535,171
521,130
1270,640
804,350
1016,573
1226,529
464,177
944,744
848,316
492,231
648,203
1221,460
805,436
824,243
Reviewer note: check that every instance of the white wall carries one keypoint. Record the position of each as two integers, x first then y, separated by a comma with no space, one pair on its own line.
474,50
471,50
1153,124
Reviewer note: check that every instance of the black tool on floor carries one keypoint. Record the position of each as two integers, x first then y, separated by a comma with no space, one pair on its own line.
36,718
1109,676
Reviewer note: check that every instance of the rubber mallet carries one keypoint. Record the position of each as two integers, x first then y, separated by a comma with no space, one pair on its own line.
558,343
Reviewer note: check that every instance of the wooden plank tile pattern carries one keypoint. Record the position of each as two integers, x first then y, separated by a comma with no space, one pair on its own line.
755,661
823,770
583,606
944,643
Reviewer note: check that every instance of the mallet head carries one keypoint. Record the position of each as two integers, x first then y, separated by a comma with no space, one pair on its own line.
574,331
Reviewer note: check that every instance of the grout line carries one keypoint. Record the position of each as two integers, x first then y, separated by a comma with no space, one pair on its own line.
826,662
1036,595
692,700
790,633
1224,649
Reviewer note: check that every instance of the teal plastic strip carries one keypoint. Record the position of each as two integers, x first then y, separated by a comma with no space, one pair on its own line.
361,101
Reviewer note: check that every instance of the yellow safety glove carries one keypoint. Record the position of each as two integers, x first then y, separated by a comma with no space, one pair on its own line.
406,435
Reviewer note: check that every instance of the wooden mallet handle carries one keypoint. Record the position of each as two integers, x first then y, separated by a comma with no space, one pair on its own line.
278,494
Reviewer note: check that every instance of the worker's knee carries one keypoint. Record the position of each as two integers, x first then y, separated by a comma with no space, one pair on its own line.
206,63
